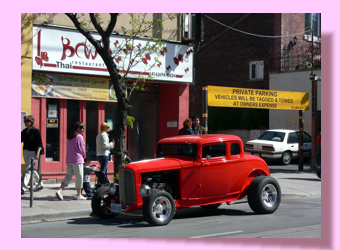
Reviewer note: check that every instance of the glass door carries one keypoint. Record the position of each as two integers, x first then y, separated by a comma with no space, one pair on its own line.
91,129
52,130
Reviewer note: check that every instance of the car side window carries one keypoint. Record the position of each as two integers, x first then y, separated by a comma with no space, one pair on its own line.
215,150
306,137
293,138
235,149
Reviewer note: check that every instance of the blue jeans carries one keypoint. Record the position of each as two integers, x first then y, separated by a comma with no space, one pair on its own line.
103,160
87,189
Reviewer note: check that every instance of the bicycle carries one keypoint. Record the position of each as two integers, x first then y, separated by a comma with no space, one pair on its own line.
36,177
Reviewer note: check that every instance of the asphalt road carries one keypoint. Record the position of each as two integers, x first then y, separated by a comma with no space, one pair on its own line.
298,217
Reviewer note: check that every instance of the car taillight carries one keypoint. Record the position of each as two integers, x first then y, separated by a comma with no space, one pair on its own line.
249,146
268,148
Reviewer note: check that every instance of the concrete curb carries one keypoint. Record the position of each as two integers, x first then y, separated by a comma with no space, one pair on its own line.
55,217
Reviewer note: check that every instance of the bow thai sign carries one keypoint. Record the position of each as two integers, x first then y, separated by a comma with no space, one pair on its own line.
67,51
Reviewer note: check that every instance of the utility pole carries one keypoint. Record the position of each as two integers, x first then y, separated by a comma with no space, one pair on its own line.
314,105
205,107
300,140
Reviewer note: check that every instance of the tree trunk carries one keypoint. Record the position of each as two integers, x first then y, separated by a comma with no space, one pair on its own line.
121,113
120,134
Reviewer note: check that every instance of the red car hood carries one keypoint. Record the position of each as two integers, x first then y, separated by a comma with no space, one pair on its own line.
159,164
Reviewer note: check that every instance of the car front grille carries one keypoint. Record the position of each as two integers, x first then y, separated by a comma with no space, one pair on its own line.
249,146
127,188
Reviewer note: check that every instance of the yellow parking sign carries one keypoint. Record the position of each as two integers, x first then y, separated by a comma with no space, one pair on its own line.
257,98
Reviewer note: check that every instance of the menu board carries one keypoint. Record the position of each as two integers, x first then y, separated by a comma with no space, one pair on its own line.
73,87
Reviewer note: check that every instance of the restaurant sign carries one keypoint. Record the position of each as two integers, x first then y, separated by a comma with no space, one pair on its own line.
73,87
67,51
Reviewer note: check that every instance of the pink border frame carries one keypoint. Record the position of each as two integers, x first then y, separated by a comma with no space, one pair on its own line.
11,82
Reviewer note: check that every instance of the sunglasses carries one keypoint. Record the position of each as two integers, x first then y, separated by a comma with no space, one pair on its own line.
27,121
82,127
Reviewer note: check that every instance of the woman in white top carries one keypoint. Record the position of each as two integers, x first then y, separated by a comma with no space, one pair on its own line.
103,146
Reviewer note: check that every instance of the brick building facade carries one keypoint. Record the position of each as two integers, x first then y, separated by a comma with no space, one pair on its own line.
224,57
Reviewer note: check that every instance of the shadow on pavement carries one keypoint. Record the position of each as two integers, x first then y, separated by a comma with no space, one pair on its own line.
276,167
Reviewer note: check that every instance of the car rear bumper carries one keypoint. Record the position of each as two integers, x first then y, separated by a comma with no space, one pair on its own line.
265,154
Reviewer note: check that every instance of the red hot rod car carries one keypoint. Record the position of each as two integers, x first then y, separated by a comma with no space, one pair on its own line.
190,170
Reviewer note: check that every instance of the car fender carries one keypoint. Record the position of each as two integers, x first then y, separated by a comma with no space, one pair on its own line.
250,178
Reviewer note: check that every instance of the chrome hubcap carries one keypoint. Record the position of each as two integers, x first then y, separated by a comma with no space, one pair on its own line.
161,208
286,157
269,195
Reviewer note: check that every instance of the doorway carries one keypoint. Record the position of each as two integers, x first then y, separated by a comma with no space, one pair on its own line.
144,135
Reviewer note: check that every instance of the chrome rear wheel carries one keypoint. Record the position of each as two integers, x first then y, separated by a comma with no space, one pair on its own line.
264,195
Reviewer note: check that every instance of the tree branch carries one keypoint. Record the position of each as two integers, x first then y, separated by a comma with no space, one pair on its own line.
85,32
97,25
112,23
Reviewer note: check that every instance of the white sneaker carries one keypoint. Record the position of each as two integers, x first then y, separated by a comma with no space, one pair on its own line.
80,198
59,195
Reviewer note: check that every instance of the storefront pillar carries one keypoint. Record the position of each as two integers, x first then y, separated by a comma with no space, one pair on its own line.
174,108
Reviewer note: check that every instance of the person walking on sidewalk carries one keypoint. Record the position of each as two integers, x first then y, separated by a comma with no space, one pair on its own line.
103,146
197,128
87,171
74,160
31,138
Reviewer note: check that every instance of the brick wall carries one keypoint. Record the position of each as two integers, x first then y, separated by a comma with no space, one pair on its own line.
223,58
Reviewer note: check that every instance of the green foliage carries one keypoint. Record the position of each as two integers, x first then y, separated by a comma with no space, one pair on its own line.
116,178
130,120
237,118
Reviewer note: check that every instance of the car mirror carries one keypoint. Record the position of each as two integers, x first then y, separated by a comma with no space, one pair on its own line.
207,158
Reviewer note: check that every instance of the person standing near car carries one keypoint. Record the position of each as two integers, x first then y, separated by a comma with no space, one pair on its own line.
31,138
197,128
103,146
186,130
75,155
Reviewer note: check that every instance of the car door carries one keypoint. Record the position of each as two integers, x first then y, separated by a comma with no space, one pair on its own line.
293,143
238,170
213,173
307,144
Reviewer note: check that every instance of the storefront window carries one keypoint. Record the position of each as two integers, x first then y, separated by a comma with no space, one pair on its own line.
91,129
72,114
52,130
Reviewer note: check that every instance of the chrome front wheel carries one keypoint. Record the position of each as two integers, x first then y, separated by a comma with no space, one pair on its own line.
158,208
161,209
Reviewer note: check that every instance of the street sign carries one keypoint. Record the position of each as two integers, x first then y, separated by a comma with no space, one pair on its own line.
257,98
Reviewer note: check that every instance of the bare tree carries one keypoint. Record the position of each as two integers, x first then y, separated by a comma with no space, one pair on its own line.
130,53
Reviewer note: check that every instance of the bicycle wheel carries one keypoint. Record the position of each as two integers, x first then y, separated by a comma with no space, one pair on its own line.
36,179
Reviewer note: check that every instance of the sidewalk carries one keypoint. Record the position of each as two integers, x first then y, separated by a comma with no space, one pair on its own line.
47,207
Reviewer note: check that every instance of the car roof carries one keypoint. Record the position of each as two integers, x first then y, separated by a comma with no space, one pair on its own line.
282,130
200,139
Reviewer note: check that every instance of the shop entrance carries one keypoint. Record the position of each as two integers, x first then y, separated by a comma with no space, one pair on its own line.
144,135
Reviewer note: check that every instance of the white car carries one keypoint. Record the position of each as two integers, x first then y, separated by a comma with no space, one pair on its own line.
280,144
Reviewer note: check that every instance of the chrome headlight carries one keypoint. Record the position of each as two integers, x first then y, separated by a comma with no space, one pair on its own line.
144,190
112,189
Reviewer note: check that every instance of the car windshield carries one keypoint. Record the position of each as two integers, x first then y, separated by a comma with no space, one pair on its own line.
272,136
186,149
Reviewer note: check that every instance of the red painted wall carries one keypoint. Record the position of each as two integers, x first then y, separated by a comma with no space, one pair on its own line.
174,106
